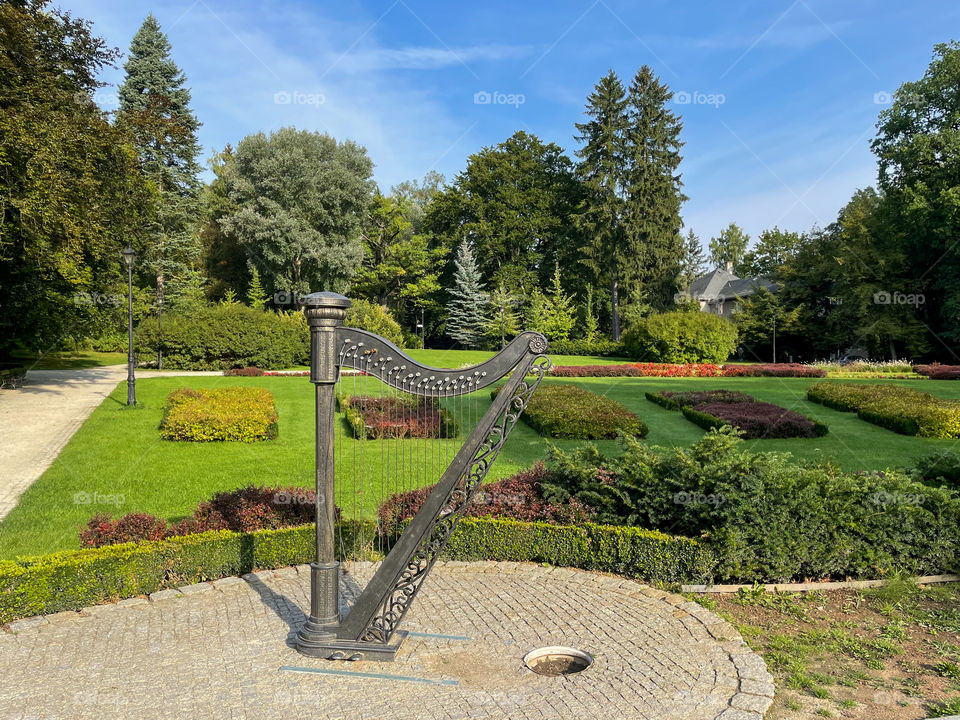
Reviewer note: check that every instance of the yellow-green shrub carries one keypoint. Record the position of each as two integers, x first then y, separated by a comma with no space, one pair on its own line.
246,414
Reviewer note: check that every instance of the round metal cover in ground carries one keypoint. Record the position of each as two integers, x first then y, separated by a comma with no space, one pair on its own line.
557,660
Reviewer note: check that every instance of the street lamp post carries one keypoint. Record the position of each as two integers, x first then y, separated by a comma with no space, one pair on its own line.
128,256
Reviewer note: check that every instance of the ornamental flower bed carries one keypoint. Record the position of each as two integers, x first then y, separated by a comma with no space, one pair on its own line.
568,411
246,414
375,418
688,370
518,497
903,410
937,371
754,419
242,510
773,370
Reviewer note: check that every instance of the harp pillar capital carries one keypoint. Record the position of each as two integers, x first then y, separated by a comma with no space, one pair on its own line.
325,312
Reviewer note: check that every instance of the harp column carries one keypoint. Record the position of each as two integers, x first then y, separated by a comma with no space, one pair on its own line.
325,312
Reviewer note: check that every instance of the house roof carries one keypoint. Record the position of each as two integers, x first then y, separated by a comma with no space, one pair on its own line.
721,283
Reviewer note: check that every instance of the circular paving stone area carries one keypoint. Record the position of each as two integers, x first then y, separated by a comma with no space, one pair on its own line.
224,650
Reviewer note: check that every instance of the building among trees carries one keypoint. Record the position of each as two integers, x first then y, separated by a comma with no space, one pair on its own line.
720,291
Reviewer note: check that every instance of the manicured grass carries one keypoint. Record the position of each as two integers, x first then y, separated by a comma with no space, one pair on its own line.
459,358
118,451
71,360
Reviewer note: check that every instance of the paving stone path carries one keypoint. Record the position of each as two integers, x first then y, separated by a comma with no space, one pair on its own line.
224,650
38,419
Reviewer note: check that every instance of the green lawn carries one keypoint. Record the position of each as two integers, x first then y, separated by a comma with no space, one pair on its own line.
118,451
71,360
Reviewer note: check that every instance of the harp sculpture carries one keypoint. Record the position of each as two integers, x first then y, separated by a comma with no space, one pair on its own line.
369,630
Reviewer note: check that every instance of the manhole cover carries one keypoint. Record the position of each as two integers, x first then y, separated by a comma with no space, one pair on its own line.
557,660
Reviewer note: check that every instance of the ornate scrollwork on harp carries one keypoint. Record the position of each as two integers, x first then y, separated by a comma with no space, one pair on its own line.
370,629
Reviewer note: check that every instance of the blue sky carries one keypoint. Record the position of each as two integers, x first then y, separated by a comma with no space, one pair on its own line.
782,95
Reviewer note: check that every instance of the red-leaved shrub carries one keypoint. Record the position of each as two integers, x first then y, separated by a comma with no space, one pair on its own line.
757,419
243,372
241,510
936,371
517,497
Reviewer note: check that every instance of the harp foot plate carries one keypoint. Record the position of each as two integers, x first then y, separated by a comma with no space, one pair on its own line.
336,649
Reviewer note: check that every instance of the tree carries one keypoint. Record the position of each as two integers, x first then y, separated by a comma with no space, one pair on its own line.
71,194
155,108
560,314
602,171
589,319
918,152
653,246
466,310
761,316
513,203
256,296
299,200
400,269
504,321
729,247
694,262
773,249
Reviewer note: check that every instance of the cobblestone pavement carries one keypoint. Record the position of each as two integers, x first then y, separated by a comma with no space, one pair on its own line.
217,650
38,419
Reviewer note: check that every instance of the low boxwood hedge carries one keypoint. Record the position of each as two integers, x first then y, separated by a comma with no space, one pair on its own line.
901,409
569,411
79,578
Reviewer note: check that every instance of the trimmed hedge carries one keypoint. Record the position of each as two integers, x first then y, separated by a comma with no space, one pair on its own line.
597,348
629,551
218,337
716,408
246,414
79,578
939,372
903,410
569,411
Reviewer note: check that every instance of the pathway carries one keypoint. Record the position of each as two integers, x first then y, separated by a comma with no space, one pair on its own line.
223,650
38,419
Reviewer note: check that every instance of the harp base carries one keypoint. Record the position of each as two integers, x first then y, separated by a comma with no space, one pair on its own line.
322,645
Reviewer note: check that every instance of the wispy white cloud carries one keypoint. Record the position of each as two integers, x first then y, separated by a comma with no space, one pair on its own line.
427,58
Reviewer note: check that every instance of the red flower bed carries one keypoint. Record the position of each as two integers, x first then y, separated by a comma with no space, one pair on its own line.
242,510
628,370
936,371
688,370
517,497
774,370
378,417
756,419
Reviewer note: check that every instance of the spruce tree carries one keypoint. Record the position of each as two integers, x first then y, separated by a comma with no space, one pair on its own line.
561,316
256,296
653,193
603,174
467,308
504,321
694,262
155,108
